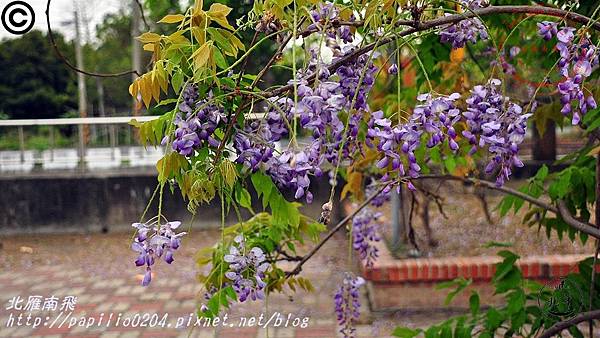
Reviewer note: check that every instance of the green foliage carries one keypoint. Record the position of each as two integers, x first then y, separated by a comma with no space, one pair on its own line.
575,185
529,307
274,236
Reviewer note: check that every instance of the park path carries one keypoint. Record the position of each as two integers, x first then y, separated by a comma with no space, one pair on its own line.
98,270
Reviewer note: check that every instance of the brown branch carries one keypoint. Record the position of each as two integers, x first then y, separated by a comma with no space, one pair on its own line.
275,56
68,63
335,229
142,14
561,211
575,223
560,326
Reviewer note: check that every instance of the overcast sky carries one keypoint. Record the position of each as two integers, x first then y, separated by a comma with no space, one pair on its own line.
61,11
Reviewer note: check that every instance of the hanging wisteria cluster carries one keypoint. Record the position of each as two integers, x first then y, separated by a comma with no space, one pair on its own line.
325,14
497,123
468,30
347,303
318,113
365,234
247,270
434,116
196,122
577,60
153,241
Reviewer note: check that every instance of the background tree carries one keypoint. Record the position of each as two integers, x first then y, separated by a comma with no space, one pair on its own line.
34,83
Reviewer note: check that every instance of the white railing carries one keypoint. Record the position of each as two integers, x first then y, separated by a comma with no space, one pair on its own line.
83,156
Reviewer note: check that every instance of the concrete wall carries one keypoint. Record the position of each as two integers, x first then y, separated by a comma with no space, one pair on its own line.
71,201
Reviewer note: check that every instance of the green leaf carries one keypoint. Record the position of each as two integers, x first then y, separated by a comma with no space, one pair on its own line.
450,164
494,319
516,301
474,303
505,205
177,81
541,174
263,186
459,283
404,332
242,197
494,244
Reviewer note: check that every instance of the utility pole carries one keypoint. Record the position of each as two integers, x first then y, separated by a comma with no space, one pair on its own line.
83,130
136,50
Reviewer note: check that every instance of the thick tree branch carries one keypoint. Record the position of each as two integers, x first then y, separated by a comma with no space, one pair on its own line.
575,223
560,326
60,55
561,210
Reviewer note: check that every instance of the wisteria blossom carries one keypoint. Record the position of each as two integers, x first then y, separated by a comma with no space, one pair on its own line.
154,241
246,270
468,30
578,58
347,303
196,122
434,116
365,234
497,123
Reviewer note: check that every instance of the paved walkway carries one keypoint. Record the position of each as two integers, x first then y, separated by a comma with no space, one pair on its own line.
99,271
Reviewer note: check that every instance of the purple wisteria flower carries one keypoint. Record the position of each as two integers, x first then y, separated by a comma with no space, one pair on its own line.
547,29
393,69
467,30
494,121
323,16
434,116
347,303
154,241
196,122
577,62
256,142
383,197
318,111
246,270
364,234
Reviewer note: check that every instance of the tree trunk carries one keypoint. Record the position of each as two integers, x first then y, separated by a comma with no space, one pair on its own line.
544,146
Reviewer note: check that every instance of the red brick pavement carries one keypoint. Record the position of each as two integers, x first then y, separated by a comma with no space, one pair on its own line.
103,278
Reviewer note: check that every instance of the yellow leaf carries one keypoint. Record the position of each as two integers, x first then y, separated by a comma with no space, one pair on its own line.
457,55
218,9
198,5
594,151
172,18
354,186
218,13
149,47
149,37
134,87
198,34
146,89
178,38
201,55
155,88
